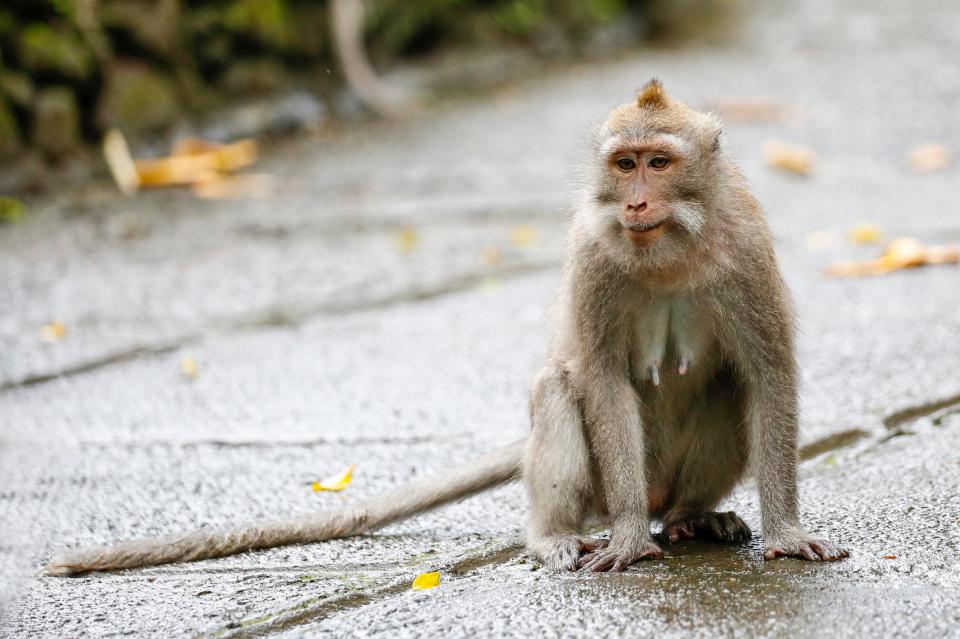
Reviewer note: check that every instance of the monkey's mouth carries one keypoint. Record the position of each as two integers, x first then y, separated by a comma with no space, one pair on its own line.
645,233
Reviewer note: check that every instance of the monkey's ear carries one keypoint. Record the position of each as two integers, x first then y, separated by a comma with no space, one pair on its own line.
716,141
652,95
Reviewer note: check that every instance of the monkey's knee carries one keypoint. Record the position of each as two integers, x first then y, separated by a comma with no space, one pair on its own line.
556,467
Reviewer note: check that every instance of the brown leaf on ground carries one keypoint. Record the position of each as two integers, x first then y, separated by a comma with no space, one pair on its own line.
196,162
930,158
789,157
903,252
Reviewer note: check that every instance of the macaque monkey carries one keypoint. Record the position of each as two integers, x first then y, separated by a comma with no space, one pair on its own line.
670,368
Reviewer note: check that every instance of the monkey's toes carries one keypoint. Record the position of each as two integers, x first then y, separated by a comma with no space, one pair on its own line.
809,549
618,559
726,527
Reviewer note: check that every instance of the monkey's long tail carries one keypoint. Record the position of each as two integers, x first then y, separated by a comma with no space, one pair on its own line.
420,496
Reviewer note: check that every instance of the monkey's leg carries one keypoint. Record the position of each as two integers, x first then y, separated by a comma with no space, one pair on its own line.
556,472
711,466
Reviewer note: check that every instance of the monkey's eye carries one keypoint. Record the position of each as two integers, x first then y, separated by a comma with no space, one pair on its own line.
626,164
659,162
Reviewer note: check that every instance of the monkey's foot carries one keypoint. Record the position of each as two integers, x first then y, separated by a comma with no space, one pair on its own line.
798,543
562,552
617,558
725,527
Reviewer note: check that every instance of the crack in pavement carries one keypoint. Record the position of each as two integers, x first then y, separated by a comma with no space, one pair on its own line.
314,610
285,315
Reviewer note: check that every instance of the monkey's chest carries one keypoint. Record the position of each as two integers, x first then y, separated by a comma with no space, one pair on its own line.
671,341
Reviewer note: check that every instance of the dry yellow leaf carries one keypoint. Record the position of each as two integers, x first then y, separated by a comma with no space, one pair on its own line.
335,483
866,233
930,158
903,252
406,240
188,366
426,581
789,157
523,235
53,332
196,161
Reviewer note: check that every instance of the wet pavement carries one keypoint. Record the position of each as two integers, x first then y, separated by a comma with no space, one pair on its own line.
386,309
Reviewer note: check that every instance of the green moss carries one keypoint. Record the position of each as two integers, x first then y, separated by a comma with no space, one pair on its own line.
11,210
267,21
55,49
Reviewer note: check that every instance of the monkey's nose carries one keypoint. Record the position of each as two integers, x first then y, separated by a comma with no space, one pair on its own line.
642,206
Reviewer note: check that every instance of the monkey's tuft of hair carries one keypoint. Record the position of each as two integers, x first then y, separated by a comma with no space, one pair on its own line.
652,95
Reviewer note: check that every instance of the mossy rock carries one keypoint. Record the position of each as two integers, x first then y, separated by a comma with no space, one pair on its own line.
57,50
16,87
137,99
56,121
268,22
9,131
259,75
153,24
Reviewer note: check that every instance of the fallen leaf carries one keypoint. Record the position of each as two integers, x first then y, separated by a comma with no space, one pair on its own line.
866,233
335,483
903,252
426,581
11,210
53,332
756,110
116,152
406,240
253,186
930,158
188,366
889,556
196,164
523,235
789,157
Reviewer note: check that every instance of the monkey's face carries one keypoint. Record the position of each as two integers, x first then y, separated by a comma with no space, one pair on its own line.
643,191
653,175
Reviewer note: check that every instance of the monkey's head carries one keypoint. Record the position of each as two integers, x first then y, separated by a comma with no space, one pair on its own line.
655,162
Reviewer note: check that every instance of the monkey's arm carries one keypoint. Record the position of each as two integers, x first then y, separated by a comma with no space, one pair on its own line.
401,503
760,339
612,420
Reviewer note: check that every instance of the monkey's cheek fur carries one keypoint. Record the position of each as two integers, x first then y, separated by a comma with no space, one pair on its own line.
645,238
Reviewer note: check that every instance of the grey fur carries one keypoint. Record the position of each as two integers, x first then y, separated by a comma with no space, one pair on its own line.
671,366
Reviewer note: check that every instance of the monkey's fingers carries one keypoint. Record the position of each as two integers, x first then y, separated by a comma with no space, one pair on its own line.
617,559
811,550
684,366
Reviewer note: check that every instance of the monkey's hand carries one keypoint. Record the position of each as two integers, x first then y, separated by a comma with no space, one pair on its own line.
796,542
620,553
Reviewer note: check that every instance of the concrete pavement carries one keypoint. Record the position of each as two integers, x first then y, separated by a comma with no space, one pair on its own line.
325,334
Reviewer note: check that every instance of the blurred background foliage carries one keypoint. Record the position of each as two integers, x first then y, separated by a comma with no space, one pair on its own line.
71,68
